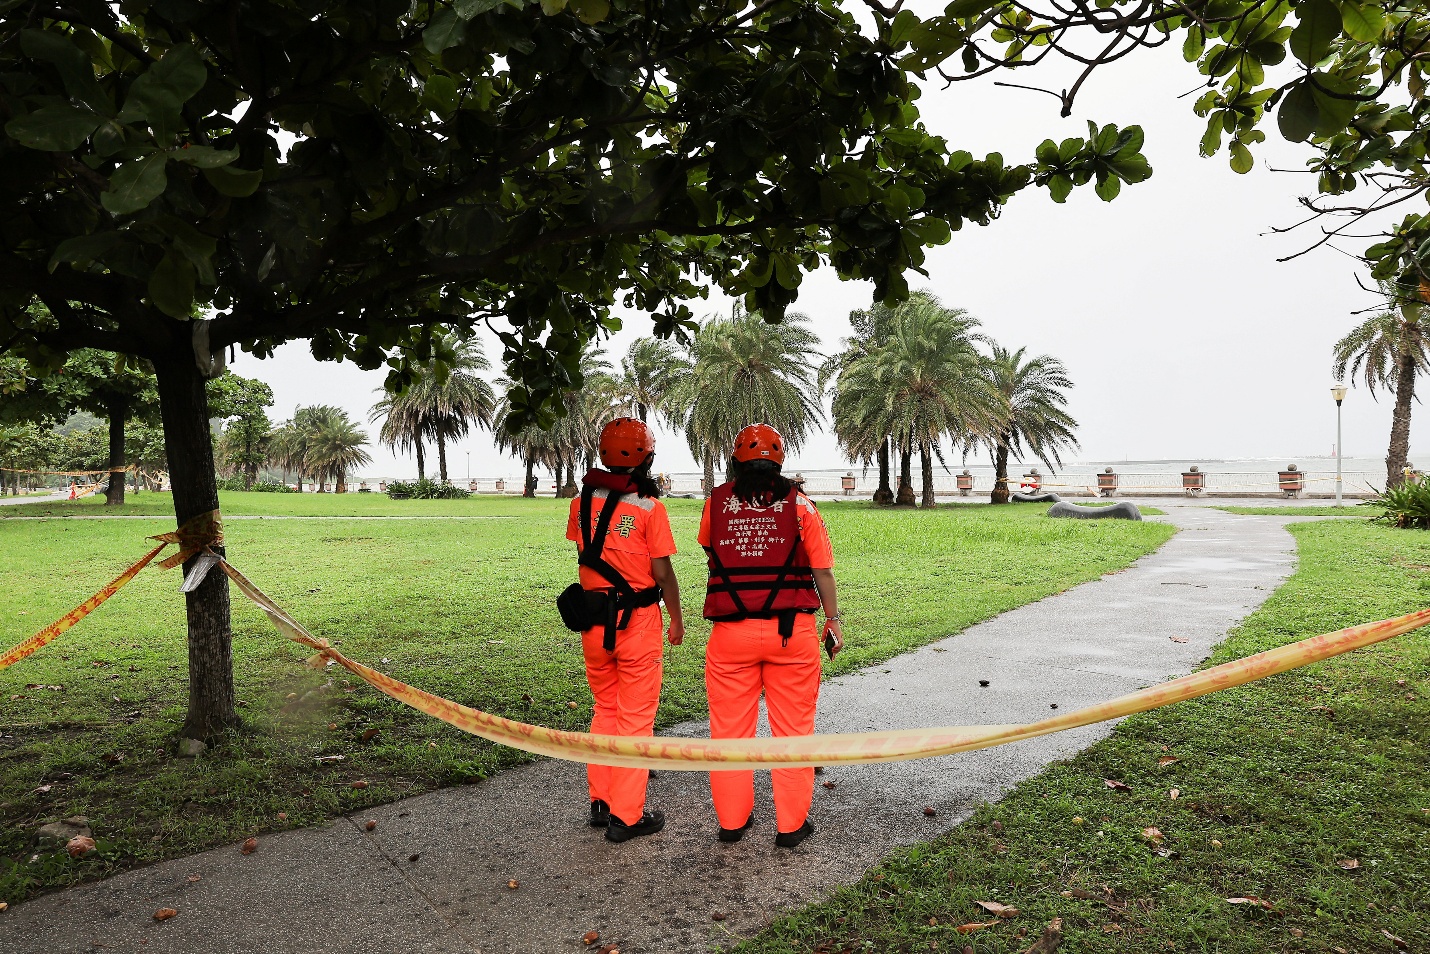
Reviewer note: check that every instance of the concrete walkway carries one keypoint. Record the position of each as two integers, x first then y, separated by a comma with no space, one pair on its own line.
434,875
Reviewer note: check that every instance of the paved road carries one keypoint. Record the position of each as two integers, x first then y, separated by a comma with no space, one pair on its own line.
433,876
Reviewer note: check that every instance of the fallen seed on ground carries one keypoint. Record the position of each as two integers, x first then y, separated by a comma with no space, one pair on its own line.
164,914
369,825
249,846
929,811
513,884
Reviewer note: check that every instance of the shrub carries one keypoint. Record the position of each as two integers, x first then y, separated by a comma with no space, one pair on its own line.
425,490
231,483
272,487
1405,506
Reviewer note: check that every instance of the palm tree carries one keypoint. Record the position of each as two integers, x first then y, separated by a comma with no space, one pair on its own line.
862,431
648,374
743,370
909,376
333,445
929,373
576,435
533,444
447,397
1388,350
286,449
1031,415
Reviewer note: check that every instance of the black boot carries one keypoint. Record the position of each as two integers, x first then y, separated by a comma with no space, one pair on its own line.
600,813
735,834
650,823
789,839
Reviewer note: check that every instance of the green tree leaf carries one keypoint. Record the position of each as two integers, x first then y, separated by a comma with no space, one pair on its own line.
135,184
446,30
1364,23
59,128
1241,158
591,11
171,287
238,183
75,67
1298,113
204,157
159,94
1320,24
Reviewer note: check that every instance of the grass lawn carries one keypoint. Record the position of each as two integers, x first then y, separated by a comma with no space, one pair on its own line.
1310,790
461,607
1351,509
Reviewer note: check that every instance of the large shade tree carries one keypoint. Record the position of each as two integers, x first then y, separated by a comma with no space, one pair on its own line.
354,174
1388,350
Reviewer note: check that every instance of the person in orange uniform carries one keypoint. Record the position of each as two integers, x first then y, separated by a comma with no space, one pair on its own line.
771,567
622,533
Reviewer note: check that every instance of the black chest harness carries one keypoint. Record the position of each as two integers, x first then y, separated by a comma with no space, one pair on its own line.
582,609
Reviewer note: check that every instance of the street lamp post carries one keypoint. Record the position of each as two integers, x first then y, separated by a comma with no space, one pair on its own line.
1338,391
469,467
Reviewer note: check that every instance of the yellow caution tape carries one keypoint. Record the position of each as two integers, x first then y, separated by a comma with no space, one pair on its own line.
764,753
202,531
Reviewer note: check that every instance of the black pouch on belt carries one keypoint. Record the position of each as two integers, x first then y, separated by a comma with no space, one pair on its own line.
582,609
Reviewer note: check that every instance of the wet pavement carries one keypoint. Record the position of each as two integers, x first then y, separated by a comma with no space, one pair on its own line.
434,875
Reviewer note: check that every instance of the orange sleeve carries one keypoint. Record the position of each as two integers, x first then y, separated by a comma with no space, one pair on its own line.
658,537
573,522
815,536
703,537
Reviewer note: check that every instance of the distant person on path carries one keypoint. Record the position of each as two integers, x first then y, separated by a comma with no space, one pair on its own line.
771,567
623,536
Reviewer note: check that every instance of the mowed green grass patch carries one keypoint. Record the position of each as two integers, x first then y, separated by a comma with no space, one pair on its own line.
1366,511
1309,790
247,504
462,608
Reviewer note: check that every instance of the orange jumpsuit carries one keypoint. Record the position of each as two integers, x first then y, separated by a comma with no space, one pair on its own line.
745,657
626,683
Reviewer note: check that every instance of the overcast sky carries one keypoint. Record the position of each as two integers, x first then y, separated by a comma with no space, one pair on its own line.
1186,339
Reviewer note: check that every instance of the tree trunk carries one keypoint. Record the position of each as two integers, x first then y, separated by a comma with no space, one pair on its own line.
926,459
641,410
529,488
709,471
885,494
191,474
905,497
1000,475
442,456
118,409
1395,458
421,464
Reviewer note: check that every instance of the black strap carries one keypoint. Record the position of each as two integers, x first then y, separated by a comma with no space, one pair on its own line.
625,600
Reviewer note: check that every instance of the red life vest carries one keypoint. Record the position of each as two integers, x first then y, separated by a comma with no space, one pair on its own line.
758,566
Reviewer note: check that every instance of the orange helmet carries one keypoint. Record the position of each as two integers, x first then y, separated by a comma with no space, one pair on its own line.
760,442
626,442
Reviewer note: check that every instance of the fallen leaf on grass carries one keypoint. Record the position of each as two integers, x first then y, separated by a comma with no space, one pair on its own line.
360,783
1399,943
1253,900
79,846
1174,793
998,910
1400,683
1153,835
1116,786
1349,864
329,758
1112,929
974,926
282,816
370,734
1082,894
590,937
1215,843
1330,713
249,846
164,914
1167,760
1050,941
